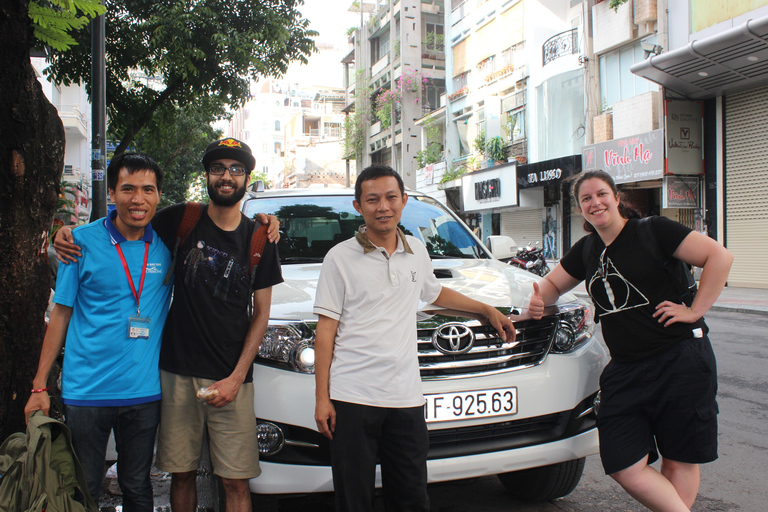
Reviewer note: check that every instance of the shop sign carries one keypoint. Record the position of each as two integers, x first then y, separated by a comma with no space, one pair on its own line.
429,173
488,190
628,159
539,174
684,120
681,192
483,190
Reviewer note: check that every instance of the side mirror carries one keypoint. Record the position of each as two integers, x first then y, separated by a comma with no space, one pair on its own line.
501,246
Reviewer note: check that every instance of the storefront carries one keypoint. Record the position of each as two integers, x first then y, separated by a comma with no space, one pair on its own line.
543,187
637,166
529,203
746,189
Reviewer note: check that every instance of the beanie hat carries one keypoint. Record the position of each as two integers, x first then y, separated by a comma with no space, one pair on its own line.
229,148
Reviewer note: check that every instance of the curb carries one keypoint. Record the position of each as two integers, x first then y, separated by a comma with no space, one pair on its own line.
739,309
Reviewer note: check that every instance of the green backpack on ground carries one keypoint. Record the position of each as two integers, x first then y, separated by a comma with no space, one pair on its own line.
40,471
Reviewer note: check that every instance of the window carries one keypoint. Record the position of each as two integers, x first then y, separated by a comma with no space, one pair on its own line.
380,47
480,122
434,37
462,129
616,81
513,116
460,81
508,58
333,130
278,149
277,126
431,95
486,66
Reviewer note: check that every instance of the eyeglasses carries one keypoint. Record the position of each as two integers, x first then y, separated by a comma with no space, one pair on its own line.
219,170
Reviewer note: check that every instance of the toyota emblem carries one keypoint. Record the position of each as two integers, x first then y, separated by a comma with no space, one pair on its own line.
453,339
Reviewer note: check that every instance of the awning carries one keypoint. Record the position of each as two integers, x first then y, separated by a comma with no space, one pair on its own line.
728,62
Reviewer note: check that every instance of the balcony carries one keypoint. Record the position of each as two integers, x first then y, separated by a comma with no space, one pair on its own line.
74,120
560,45
433,51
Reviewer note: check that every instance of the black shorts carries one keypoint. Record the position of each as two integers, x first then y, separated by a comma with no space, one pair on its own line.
666,401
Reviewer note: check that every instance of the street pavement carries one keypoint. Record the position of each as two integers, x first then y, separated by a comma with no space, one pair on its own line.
740,300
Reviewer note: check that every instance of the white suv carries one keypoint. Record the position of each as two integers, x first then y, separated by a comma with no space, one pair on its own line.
524,411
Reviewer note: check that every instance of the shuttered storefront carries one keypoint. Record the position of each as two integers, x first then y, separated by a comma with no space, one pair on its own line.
746,187
522,225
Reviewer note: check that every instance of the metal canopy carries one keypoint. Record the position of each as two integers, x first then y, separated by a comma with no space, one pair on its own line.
728,62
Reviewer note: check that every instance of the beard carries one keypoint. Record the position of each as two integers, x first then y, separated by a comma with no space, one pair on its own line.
220,199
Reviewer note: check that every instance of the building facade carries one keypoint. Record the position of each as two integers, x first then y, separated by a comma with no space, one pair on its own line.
74,109
714,63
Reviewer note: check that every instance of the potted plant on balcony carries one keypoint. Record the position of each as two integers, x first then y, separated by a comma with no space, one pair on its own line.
496,149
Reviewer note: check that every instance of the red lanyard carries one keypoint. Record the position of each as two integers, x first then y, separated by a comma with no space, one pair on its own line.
128,273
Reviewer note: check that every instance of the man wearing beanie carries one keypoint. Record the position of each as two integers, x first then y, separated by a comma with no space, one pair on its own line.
209,340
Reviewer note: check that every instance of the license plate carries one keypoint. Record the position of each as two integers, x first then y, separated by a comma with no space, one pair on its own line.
470,404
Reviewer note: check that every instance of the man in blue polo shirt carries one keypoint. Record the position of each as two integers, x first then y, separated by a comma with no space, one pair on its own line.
110,306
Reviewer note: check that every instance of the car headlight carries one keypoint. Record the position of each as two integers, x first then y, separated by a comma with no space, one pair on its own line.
575,328
288,345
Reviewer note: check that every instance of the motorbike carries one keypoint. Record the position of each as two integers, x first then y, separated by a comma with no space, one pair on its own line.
530,258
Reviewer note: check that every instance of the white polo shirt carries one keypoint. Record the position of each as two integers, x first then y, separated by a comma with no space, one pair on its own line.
375,297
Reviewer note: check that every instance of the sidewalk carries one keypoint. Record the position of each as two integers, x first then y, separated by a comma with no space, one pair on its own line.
739,300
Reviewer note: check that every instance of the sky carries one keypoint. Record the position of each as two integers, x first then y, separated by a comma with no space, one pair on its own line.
331,19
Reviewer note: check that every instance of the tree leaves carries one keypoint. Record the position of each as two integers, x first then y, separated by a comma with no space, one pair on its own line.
189,48
53,20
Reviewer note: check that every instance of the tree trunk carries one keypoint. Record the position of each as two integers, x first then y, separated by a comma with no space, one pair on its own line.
31,163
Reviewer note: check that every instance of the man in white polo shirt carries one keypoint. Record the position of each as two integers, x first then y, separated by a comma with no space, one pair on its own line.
368,387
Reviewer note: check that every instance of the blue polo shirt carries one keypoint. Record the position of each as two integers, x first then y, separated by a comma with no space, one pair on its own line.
103,366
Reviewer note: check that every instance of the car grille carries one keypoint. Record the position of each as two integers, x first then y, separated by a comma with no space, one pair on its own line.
489,354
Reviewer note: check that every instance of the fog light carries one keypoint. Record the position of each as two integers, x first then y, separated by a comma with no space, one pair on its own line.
303,357
564,338
271,438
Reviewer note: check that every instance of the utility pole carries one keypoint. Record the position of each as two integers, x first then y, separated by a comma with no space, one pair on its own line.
98,119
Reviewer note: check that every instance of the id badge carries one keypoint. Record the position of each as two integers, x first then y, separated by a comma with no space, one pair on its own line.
138,328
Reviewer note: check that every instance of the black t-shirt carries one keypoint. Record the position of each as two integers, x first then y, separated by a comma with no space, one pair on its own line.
208,319
626,285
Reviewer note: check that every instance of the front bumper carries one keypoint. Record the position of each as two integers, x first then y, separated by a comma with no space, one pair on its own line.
291,479
553,424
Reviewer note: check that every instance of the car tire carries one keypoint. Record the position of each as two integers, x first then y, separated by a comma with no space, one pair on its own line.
264,503
545,483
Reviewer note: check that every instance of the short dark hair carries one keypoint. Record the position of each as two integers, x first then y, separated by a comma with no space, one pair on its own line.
374,172
132,162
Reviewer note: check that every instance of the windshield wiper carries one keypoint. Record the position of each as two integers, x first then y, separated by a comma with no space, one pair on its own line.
449,256
301,259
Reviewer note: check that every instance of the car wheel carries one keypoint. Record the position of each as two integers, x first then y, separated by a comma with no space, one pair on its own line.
545,483
264,503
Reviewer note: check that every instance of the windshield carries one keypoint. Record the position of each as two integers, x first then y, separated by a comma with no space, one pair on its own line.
311,225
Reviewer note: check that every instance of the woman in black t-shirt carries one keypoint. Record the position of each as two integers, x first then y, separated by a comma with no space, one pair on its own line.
658,391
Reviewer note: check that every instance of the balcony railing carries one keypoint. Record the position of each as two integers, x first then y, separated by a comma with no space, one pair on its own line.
560,45
434,51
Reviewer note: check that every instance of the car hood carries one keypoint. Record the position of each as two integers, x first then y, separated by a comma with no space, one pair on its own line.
487,280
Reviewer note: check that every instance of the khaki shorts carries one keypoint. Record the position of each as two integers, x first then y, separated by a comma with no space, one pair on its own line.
233,442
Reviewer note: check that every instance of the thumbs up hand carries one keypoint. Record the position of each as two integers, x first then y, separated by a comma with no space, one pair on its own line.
536,304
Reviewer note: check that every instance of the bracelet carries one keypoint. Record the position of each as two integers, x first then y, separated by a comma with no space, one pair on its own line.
38,390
